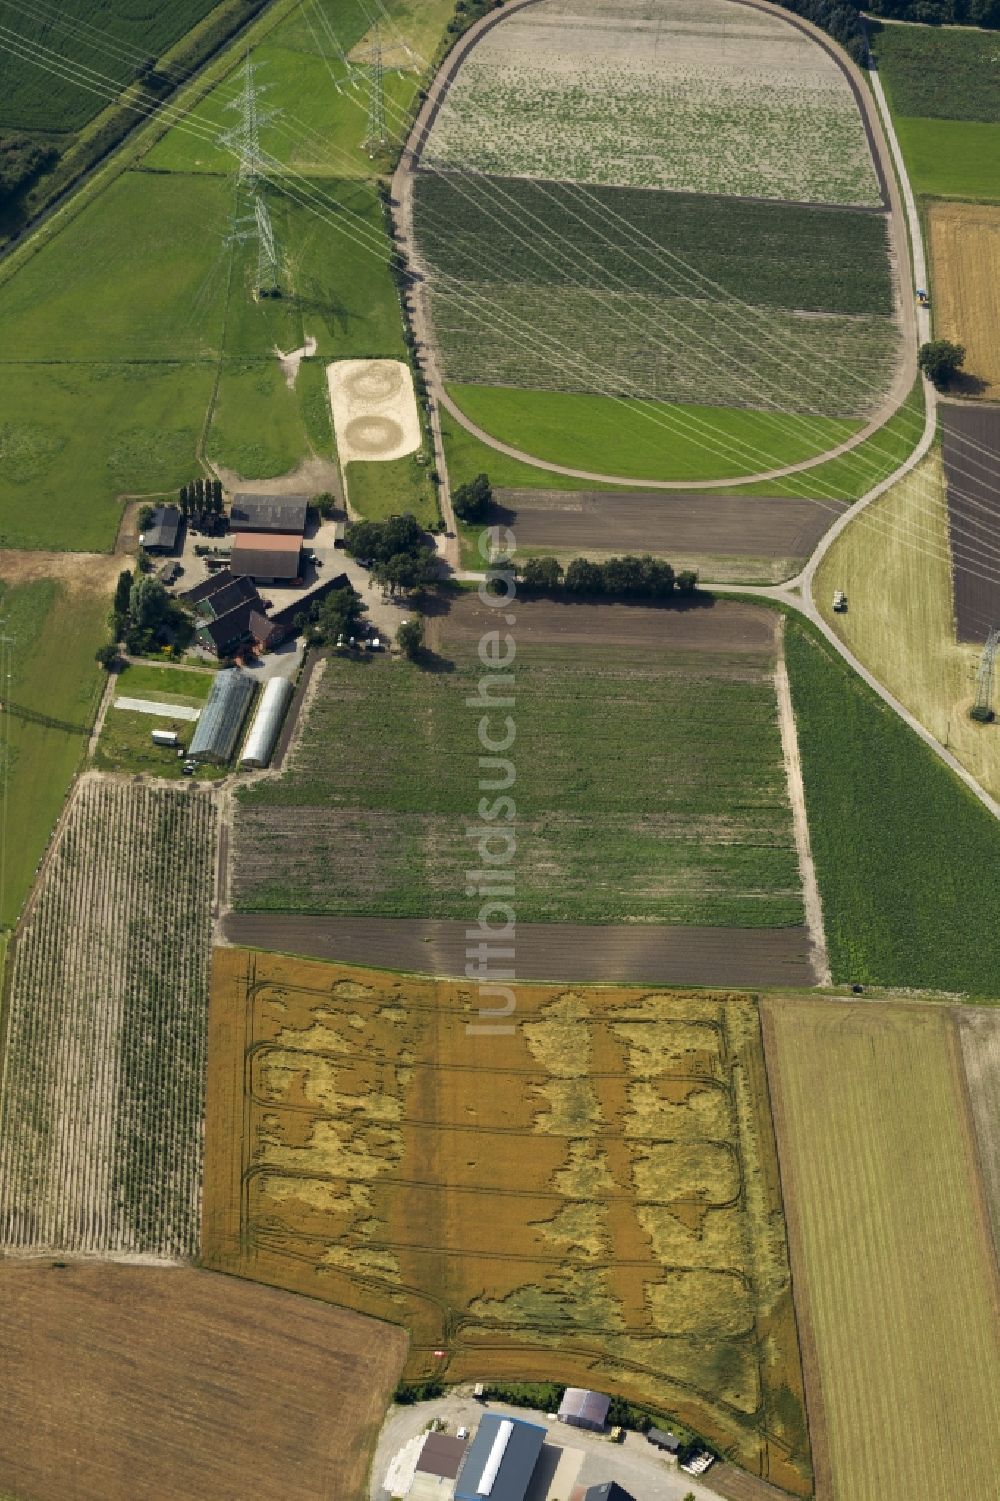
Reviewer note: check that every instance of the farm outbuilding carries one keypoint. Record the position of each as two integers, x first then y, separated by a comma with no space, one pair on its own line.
271,558
222,718
268,513
584,1409
610,1490
501,1460
162,532
267,721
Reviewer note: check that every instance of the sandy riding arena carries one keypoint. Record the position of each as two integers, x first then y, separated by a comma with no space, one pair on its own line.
374,409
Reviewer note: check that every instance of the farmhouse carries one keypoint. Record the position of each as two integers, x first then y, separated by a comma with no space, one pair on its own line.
222,718
268,513
220,593
437,1466
162,532
267,557
501,1460
584,1409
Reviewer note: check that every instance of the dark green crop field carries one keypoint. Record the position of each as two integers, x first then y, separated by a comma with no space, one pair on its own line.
780,255
901,848
99,42
649,789
939,74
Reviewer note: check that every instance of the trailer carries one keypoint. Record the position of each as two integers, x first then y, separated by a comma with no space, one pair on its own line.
165,737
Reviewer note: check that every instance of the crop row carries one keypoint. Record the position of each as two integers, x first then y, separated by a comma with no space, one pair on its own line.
783,255
102,1097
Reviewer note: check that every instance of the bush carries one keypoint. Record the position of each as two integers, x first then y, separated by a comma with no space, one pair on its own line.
417,1391
410,637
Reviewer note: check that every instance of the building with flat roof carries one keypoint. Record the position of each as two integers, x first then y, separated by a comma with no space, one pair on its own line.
268,513
268,557
500,1460
584,1409
163,530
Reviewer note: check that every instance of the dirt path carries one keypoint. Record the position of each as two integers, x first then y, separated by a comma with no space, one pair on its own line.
418,304
311,477
797,796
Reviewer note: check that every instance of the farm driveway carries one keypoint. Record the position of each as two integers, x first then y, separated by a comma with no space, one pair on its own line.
637,952
418,305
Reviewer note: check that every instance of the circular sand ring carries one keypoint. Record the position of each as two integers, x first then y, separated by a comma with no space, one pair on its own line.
377,383
373,435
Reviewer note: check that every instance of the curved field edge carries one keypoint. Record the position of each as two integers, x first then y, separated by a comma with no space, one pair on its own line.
646,440
900,845
633,1167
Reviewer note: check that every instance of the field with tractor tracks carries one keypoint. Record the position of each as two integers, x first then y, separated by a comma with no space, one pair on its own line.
165,1361
608,1211
104,1048
965,271
895,1278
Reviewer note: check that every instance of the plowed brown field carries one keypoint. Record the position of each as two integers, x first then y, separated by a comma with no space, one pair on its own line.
172,1384
965,260
588,1194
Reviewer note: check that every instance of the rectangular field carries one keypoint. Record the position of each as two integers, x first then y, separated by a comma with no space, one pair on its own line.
951,158
164,1361
979,1034
970,442
700,831
894,1274
104,1048
965,270
938,72
587,1194
722,536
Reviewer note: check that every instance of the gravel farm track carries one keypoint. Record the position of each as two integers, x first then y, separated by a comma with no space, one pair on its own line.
418,304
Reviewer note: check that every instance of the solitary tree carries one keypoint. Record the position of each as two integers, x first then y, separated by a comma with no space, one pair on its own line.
107,655
410,637
472,501
325,503
940,360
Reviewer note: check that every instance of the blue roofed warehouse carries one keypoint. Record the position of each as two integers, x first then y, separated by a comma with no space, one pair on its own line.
500,1461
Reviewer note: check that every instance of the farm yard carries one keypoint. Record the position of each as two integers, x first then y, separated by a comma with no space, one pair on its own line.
757,109
625,1148
893,1266
700,832
901,619
722,537
104,1052
904,904
162,1360
973,486
965,271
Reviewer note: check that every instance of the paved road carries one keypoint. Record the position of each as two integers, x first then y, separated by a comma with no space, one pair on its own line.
418,301
639,1468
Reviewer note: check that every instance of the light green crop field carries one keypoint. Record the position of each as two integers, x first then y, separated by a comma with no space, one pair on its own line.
951,158
646,440
56,633
892,1259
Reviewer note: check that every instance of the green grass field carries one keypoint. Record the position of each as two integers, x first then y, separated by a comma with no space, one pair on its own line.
698,831
951,158
54,674
648,440
377,490
144,680
937,72
900,845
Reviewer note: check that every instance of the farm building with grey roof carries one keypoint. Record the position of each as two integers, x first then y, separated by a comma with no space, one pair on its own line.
268,513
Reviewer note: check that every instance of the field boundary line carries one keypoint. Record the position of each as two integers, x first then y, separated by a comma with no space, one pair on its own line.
971,1135
797,796
808,1352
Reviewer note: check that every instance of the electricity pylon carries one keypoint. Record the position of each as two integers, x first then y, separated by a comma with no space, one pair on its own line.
244,141
982,709
376,138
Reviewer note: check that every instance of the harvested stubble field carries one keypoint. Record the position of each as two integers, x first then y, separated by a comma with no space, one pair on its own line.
590,1195
173,1384
970,443
699,832
104,1050
673,297
965,263
723,536
894,1272
979,1035
754,107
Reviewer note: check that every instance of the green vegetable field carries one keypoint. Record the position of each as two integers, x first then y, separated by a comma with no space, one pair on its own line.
900,846
941,73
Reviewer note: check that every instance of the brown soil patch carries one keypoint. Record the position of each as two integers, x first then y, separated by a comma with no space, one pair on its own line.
667,523
973,478
965,262
711,626
76,571
545,951
180,1385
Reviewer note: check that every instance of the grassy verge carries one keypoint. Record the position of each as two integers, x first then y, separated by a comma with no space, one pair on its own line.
646,440
900,845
